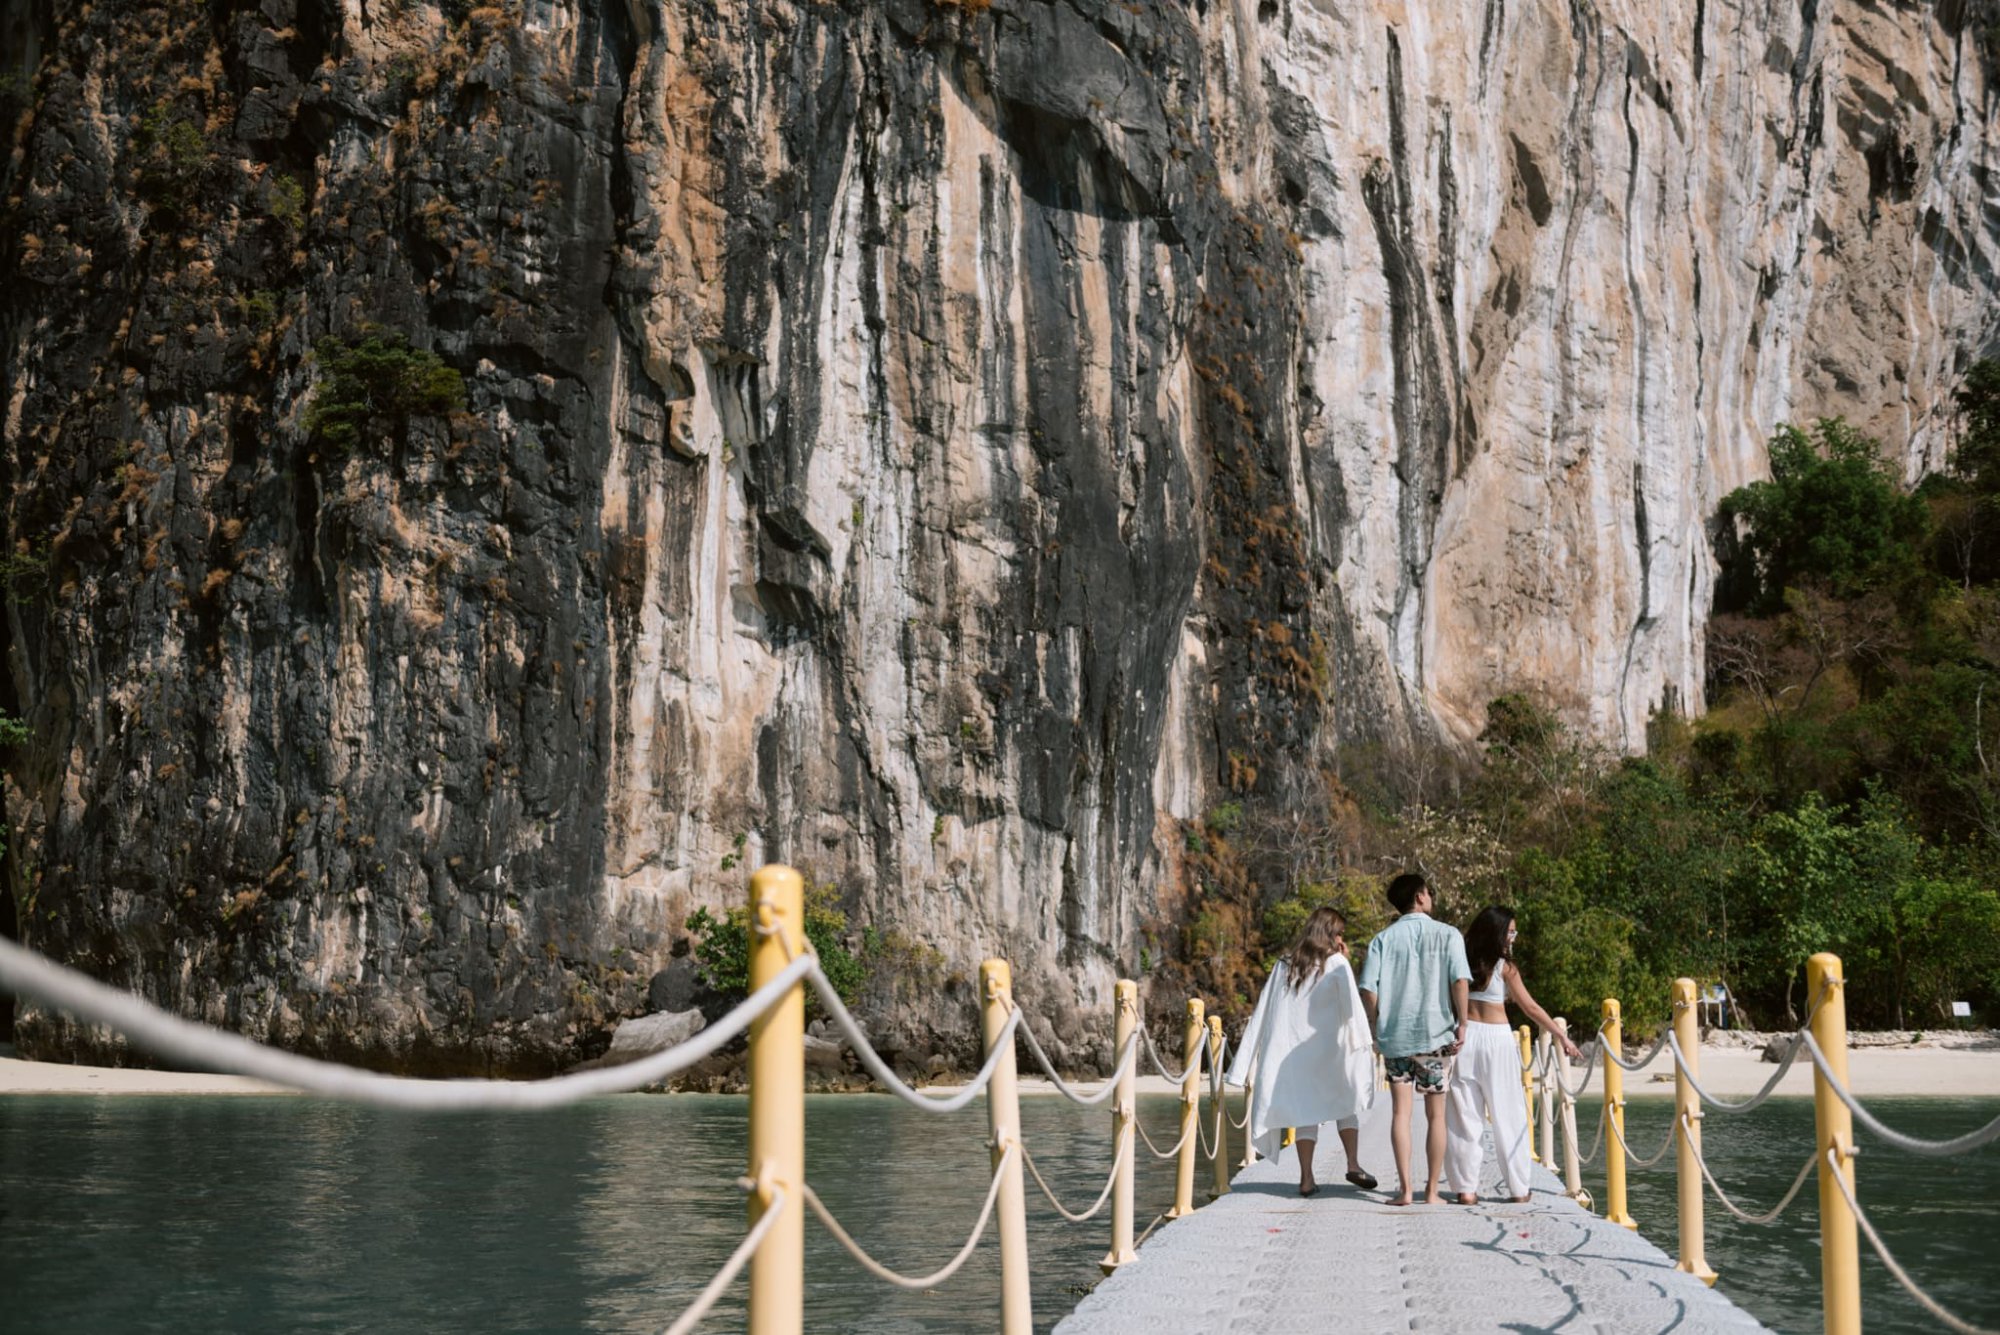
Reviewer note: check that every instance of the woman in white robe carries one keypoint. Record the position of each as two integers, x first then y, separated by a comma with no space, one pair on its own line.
1307,1054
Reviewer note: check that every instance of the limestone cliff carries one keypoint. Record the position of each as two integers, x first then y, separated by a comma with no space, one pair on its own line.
934,442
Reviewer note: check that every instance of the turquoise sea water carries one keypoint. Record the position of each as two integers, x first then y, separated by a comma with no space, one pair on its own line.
276,1214
266,1214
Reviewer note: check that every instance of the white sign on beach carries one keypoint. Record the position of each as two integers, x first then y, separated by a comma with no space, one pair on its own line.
1961,1010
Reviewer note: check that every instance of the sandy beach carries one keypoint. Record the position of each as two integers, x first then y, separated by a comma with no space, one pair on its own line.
1726,1071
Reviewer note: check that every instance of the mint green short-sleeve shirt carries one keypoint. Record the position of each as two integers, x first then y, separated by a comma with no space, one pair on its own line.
1410,968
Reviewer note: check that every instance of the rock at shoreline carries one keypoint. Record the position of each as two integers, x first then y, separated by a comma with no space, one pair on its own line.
647,1035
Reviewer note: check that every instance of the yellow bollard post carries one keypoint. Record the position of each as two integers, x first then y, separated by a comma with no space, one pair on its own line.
1687,1105
1190,1111
1218,1183
1003,1119
1572,1156
1124,1108
1833,1124
1614,1110
1545,1078
778,1105
1528,1086
1249,1143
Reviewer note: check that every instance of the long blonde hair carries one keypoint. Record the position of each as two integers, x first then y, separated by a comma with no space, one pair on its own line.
1316,943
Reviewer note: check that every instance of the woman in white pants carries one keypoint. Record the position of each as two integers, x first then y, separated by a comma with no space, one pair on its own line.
1307,1053
1486,1078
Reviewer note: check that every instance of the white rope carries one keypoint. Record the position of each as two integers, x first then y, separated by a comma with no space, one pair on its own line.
1770,1216
1938,1149
884,1273
1770,1086
1619,1132
1603,1116
1555,1065
1104,1091
1208,1141
207,1049
1243,1125
734,1265
857,1040
1643,1062
1117,1162
1173,1077
1158,1153
1928,1303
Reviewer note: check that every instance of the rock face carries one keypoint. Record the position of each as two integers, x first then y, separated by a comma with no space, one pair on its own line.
936,443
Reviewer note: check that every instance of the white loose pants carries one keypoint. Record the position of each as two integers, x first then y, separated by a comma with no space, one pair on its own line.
1486,1083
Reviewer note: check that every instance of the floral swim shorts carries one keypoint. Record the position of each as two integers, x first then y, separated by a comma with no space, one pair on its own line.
1430,1072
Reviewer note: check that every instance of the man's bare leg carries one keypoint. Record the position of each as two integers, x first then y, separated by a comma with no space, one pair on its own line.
1401,1106
1434,1112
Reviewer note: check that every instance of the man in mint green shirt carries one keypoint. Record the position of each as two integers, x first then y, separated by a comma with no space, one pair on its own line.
1414,986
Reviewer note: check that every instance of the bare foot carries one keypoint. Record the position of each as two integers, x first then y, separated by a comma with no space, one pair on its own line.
1432,1198
1468,1198
1403,1198
1308,1188
1518,1200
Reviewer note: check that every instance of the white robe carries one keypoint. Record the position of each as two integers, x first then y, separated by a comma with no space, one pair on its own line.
1307,1054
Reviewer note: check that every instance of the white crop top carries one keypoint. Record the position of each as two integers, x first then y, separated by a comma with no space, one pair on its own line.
1495,990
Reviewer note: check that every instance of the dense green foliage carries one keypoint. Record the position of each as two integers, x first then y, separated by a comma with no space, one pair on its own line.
1831,512
722,947
374,388
1840,794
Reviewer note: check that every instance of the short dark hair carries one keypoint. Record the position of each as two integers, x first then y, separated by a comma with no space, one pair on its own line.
1403,891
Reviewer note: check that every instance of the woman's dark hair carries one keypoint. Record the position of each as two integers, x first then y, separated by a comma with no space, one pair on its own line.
1486,943
1309,953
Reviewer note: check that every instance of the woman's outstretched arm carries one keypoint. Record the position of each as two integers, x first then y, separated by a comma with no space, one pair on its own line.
1517,991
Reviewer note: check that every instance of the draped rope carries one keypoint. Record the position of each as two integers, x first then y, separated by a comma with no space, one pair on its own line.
1117,1162
901,1281
1768,1217
726,1276
1770,1086
1169,1153
1928,1303
1619,1132
1936,1149
1104,1091
1173,1076
205,1048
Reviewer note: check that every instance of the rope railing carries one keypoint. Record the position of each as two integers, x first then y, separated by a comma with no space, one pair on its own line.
1823,1038
726,1276
1171,1152
1745,1105
204,1048
936,1277
783,964
1612,1054
1889,1262
1768,1217
1937,1149
1118,1161
1172,1076
1631,1155
1126,1057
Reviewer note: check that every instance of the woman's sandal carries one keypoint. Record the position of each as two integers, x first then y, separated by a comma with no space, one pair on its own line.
1363,1179
1308,1191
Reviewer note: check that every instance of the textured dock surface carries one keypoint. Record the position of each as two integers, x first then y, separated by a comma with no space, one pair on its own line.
1261,1259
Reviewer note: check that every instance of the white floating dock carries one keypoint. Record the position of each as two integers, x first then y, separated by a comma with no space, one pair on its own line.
1262,1259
